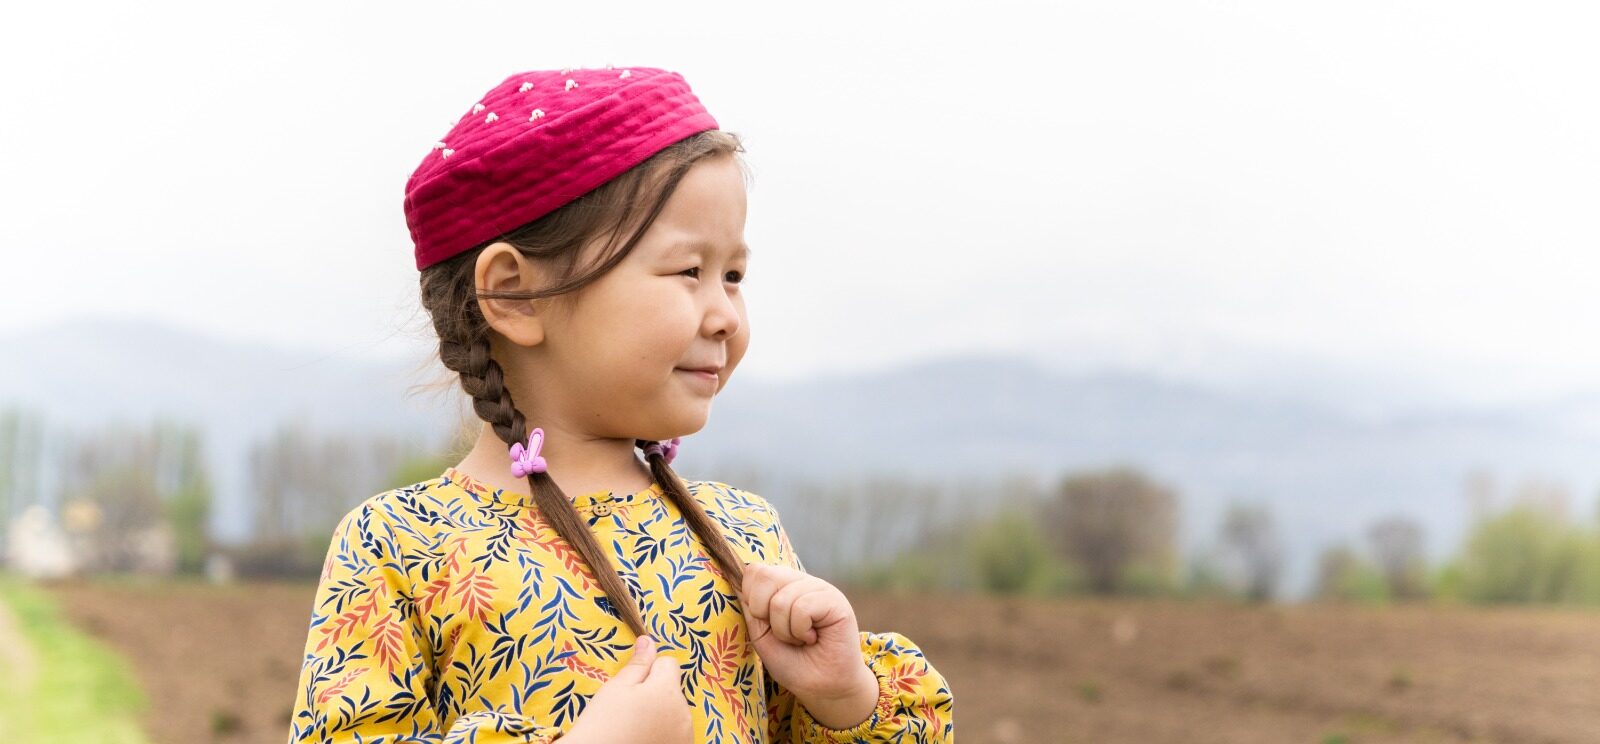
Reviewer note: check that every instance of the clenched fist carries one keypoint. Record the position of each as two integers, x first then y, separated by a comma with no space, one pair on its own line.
805,632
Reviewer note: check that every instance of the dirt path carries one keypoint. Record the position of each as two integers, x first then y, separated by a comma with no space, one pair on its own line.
17,663
18,668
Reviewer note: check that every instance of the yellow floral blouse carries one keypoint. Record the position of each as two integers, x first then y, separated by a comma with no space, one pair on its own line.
450,612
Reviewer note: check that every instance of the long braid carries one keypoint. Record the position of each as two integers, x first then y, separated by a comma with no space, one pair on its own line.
699,521
483,379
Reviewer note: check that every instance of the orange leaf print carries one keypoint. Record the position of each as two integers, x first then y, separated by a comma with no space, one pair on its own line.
430,594
723,652
457,548
736,703
711,565
573,562
904,678
338,685
348,620
531,525
448,653
386,642
582,667
474,591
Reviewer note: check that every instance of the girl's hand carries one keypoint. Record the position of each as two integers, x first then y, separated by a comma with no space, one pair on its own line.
643,702
805,632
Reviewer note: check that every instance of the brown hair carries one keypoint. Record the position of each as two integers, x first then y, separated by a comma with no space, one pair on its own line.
450,294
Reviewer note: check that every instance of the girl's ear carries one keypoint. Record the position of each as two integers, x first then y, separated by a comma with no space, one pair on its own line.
502,268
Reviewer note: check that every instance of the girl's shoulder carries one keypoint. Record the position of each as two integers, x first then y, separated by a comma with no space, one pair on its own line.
403,505
718,495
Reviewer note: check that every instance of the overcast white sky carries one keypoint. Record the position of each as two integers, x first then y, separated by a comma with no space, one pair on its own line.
1404,188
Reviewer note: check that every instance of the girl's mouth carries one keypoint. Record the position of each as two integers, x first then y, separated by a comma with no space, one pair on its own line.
700,376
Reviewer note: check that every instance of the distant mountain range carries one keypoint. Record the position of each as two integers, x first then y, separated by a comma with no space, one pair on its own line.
1328,468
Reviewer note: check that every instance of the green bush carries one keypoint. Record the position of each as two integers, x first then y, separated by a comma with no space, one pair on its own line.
1344,576
914,571
1526,554
1005,555
1010,555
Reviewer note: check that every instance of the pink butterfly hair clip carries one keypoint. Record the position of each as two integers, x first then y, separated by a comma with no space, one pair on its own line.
667,450
526,460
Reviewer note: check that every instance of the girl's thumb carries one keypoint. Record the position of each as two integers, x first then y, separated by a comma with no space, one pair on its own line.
638,667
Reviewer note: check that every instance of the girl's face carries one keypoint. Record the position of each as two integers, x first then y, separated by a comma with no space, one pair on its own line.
613,359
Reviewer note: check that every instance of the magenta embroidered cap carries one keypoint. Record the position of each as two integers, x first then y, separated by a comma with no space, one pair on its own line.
537,141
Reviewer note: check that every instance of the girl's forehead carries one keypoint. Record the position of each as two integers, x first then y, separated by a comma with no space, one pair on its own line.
684,246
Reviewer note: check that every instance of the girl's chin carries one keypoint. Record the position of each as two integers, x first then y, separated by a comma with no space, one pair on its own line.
684,417
697,419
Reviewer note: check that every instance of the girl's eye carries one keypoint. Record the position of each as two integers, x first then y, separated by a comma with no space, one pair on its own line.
734,273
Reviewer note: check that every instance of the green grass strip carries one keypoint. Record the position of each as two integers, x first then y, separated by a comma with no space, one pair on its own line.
80,691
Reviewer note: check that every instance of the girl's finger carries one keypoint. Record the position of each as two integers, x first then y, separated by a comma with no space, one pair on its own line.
666,672
638,667
803,614
781,610
758,629
758,588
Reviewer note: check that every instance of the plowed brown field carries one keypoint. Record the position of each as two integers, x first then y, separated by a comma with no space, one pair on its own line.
220,665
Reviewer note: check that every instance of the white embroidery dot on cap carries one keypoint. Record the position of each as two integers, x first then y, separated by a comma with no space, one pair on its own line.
571,83
625,73
566,70
525,88
446,152
438,145
536,114
477,108
491,117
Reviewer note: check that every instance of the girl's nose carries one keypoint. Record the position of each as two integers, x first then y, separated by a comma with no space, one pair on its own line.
722,317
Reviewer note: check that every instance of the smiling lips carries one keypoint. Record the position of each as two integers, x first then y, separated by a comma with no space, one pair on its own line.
706,374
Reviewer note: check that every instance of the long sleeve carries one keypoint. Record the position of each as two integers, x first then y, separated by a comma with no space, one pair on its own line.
914,701
368,672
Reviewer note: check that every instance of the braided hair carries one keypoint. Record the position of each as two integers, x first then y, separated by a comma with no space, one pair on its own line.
450,296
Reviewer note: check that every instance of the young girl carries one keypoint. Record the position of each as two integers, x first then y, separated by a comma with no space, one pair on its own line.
580,238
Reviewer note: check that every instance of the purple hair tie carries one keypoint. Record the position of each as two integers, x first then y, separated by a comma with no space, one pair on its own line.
526,460
667,450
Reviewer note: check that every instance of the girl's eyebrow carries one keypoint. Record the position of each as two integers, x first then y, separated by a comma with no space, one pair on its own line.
742,250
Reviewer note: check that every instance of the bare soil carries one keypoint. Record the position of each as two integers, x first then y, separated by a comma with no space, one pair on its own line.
220,665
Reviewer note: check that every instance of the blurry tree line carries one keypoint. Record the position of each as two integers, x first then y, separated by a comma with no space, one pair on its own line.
1525,546
126,498
1113,531
301,484
139,498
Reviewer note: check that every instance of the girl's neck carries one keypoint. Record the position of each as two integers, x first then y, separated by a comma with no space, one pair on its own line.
579,463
